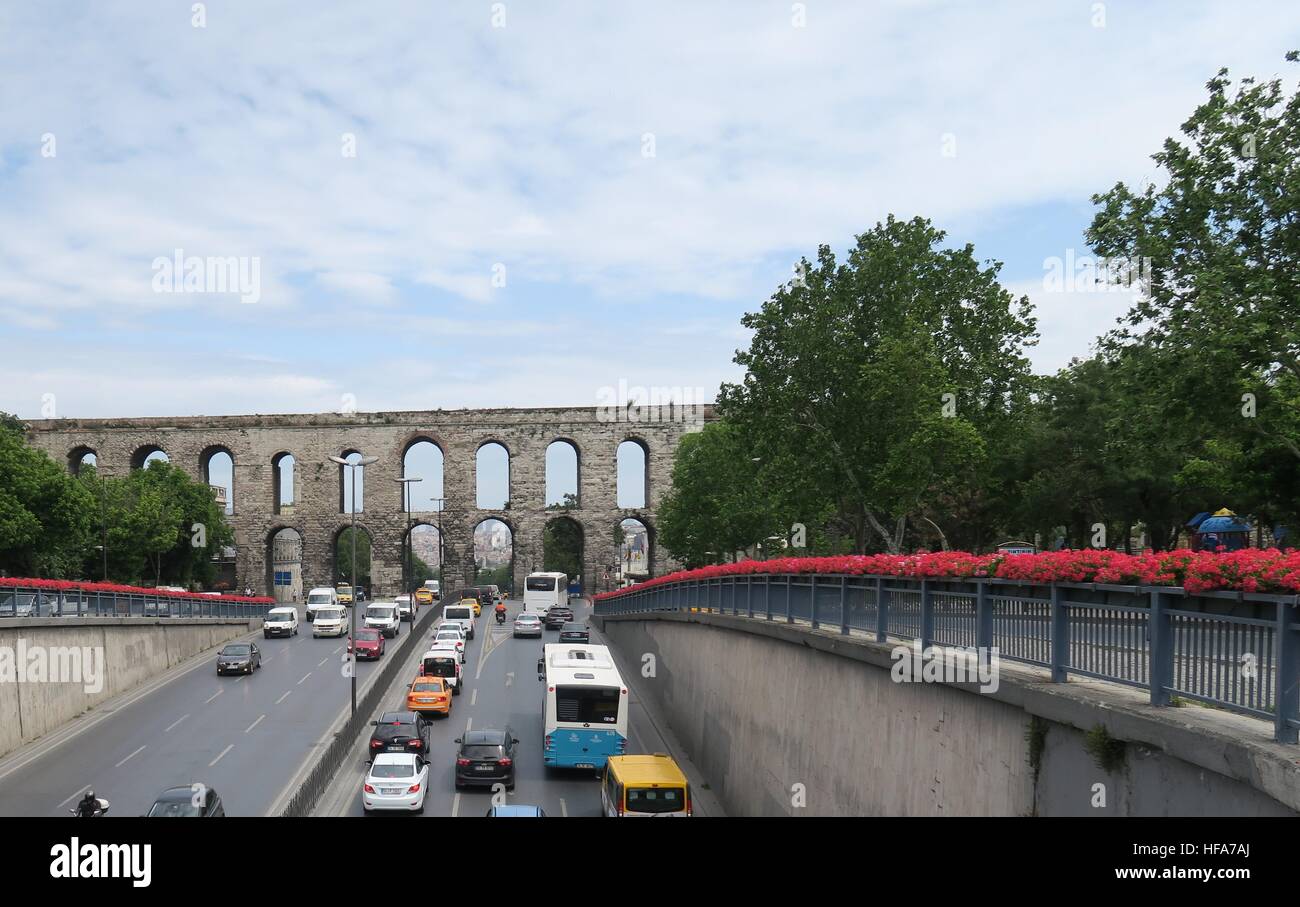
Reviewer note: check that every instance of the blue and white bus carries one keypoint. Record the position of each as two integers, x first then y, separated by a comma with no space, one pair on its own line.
585,712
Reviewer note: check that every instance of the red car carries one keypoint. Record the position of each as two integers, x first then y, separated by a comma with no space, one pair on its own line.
370,643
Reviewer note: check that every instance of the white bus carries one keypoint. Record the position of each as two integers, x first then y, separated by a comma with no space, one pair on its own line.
542,590
585,712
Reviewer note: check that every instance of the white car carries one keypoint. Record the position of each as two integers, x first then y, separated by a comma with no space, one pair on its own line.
395,781
320,597
404,607
466,627
280,622
383,616
528,625
330,621
451,636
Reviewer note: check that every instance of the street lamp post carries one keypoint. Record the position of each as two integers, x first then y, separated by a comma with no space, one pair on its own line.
408,547
352,632
438,502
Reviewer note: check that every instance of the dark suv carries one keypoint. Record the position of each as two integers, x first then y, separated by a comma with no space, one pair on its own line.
575,632
486,757
557,617
400,732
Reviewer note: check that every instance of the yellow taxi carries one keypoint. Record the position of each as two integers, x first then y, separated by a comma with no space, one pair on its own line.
474,603
344,593
651,785
429,695
424,596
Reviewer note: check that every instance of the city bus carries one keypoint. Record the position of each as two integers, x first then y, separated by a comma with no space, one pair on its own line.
585,711
542,591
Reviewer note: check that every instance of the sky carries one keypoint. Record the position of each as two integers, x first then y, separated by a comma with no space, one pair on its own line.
471,204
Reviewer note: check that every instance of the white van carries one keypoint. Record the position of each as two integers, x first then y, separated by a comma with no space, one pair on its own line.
383,616
321,597
280,622
435,587
330,621
543,591
462,613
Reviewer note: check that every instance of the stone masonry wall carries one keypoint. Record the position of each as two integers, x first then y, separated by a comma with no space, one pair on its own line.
255,441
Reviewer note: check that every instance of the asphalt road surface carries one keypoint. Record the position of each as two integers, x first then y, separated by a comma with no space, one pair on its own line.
245,737
501,690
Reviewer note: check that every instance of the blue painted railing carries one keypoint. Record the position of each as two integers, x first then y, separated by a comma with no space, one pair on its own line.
1234,650
19,601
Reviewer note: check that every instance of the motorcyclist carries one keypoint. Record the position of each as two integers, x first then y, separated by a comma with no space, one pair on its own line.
501,612
88,806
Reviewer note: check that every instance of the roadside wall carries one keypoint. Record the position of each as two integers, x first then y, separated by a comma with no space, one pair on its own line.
786,721
130,650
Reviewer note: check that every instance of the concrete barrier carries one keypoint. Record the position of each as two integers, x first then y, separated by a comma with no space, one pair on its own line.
785,721
54,669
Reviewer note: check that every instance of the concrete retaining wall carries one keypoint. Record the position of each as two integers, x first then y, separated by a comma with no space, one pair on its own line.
785,721
132,651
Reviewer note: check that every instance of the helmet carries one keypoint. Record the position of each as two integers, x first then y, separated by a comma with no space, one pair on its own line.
90,795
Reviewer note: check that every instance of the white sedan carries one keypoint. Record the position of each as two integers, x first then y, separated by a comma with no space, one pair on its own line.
451,636
395,781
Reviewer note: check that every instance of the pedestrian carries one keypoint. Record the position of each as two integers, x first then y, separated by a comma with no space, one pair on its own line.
248,591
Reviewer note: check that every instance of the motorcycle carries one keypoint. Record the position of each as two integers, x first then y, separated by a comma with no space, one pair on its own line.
100,810
501,617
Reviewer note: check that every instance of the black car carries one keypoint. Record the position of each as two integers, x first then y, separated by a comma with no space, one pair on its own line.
486,758
190,801
239,658
556,618
400,732
484,596
575,632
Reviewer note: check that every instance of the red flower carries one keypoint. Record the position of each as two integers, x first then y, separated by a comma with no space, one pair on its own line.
1246,570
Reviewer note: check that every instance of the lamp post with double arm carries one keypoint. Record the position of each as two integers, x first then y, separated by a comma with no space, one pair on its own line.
408,574
352,632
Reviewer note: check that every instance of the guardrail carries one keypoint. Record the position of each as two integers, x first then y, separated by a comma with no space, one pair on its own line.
1234,650
25,601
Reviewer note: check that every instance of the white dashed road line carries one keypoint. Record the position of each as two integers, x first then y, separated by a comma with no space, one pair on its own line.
222,754
284,697
213,696
128,758
455,805
254,724
172,726
304,677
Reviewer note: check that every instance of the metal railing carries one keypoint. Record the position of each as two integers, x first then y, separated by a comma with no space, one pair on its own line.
1233,650
19,601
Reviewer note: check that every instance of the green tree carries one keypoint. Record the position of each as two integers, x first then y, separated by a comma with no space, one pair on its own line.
45,515
562,546
716,505
872,387
343,555
1222,239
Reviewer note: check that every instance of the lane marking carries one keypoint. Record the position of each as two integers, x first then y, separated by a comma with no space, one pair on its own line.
81,792
223,752
564,808
337,651
455,805
172,726
473,698
322,661
253,725
469,724
26,755
284,697
241,680
214,696
304,677
128,758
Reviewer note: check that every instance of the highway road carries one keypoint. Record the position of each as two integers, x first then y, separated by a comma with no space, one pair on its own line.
502,689
245,737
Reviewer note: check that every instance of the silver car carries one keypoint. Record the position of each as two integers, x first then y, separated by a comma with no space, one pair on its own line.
528,625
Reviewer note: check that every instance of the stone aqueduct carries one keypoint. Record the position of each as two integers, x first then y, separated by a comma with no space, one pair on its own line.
255,442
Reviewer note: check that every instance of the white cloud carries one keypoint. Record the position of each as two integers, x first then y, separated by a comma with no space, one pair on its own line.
523,146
